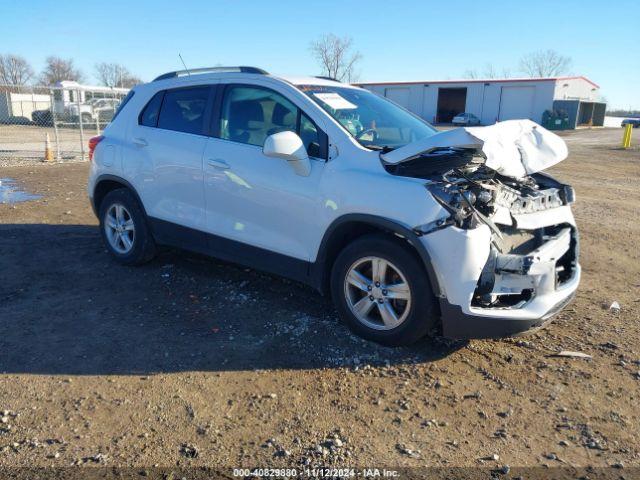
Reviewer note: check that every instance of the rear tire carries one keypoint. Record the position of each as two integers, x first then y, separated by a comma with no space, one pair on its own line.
401,309
124,229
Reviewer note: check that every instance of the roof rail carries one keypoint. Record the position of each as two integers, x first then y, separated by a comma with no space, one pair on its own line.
182,73
324,77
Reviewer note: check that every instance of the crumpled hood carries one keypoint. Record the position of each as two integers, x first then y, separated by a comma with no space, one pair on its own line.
513,148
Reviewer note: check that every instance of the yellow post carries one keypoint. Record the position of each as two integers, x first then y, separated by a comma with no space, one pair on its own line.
48,154
626,136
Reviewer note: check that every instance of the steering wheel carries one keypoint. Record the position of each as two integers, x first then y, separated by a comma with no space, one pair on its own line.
372,131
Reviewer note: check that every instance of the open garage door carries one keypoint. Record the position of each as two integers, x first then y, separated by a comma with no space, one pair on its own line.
451,102
398,95
516,103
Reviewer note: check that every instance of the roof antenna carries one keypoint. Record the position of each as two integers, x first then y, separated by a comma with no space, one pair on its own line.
185,65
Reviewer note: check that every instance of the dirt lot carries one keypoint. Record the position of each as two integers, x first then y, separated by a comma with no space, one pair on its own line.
190,361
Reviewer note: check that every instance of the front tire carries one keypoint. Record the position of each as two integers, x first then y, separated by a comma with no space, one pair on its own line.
124,228
382,292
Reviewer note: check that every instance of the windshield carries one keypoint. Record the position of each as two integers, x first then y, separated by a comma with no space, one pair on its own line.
373,121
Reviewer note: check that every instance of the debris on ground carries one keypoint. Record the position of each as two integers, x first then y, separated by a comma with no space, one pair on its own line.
493,458
189,451
409,452
614,308
570,354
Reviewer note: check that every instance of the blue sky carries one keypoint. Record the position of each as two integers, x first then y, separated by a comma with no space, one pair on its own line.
399,40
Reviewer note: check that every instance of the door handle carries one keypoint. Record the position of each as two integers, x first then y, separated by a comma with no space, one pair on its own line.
141,142
218,163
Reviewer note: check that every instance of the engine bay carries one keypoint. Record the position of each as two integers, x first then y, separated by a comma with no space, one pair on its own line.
459,181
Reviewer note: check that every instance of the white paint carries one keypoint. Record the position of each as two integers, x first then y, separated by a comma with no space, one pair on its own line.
458,256
172,166
514,148
288,146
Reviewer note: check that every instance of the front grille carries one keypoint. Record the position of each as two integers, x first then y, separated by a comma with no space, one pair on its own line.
533,201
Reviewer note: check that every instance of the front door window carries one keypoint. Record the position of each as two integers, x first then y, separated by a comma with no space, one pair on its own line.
250,114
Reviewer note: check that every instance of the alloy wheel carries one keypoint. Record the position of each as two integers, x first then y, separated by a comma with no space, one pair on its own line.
377,293
119,228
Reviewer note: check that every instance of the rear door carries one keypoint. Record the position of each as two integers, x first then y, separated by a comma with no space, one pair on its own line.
170,138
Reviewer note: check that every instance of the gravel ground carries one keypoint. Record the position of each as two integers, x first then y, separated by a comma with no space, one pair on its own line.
189,361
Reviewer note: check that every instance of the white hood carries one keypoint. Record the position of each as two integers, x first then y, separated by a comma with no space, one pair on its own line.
513,148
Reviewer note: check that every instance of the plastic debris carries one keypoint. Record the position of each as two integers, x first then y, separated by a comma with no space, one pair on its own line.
570,354
614,307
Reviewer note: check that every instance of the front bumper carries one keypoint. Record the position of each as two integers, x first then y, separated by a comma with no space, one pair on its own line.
460,325
460,257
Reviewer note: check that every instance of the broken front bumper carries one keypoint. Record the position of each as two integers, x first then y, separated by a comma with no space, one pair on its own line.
536,279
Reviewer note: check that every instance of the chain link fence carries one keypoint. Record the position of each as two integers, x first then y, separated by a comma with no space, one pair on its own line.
53,123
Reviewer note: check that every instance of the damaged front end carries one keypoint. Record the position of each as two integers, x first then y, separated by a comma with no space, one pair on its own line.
521,261
506,247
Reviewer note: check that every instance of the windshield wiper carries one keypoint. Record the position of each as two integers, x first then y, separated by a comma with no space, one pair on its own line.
381,148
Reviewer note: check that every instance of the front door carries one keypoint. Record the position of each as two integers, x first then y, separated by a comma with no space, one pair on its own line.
254,199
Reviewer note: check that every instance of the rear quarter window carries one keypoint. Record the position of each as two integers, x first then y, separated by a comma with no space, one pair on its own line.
150,113
125,100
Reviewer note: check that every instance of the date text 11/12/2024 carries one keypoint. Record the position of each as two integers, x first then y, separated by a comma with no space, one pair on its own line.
315,473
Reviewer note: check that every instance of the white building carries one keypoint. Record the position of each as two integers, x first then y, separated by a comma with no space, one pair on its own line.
494,100
21,105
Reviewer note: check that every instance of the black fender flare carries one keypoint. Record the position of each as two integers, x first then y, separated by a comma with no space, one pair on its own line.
319,269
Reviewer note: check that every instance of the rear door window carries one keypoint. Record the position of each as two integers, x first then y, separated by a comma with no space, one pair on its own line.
183,110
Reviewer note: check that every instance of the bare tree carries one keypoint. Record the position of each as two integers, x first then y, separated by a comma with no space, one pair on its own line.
109,74
545,63
131,81
14,70
115,75
471,74
336,57
59,69
488,72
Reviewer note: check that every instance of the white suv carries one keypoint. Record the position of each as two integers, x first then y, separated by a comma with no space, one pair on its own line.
410,230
